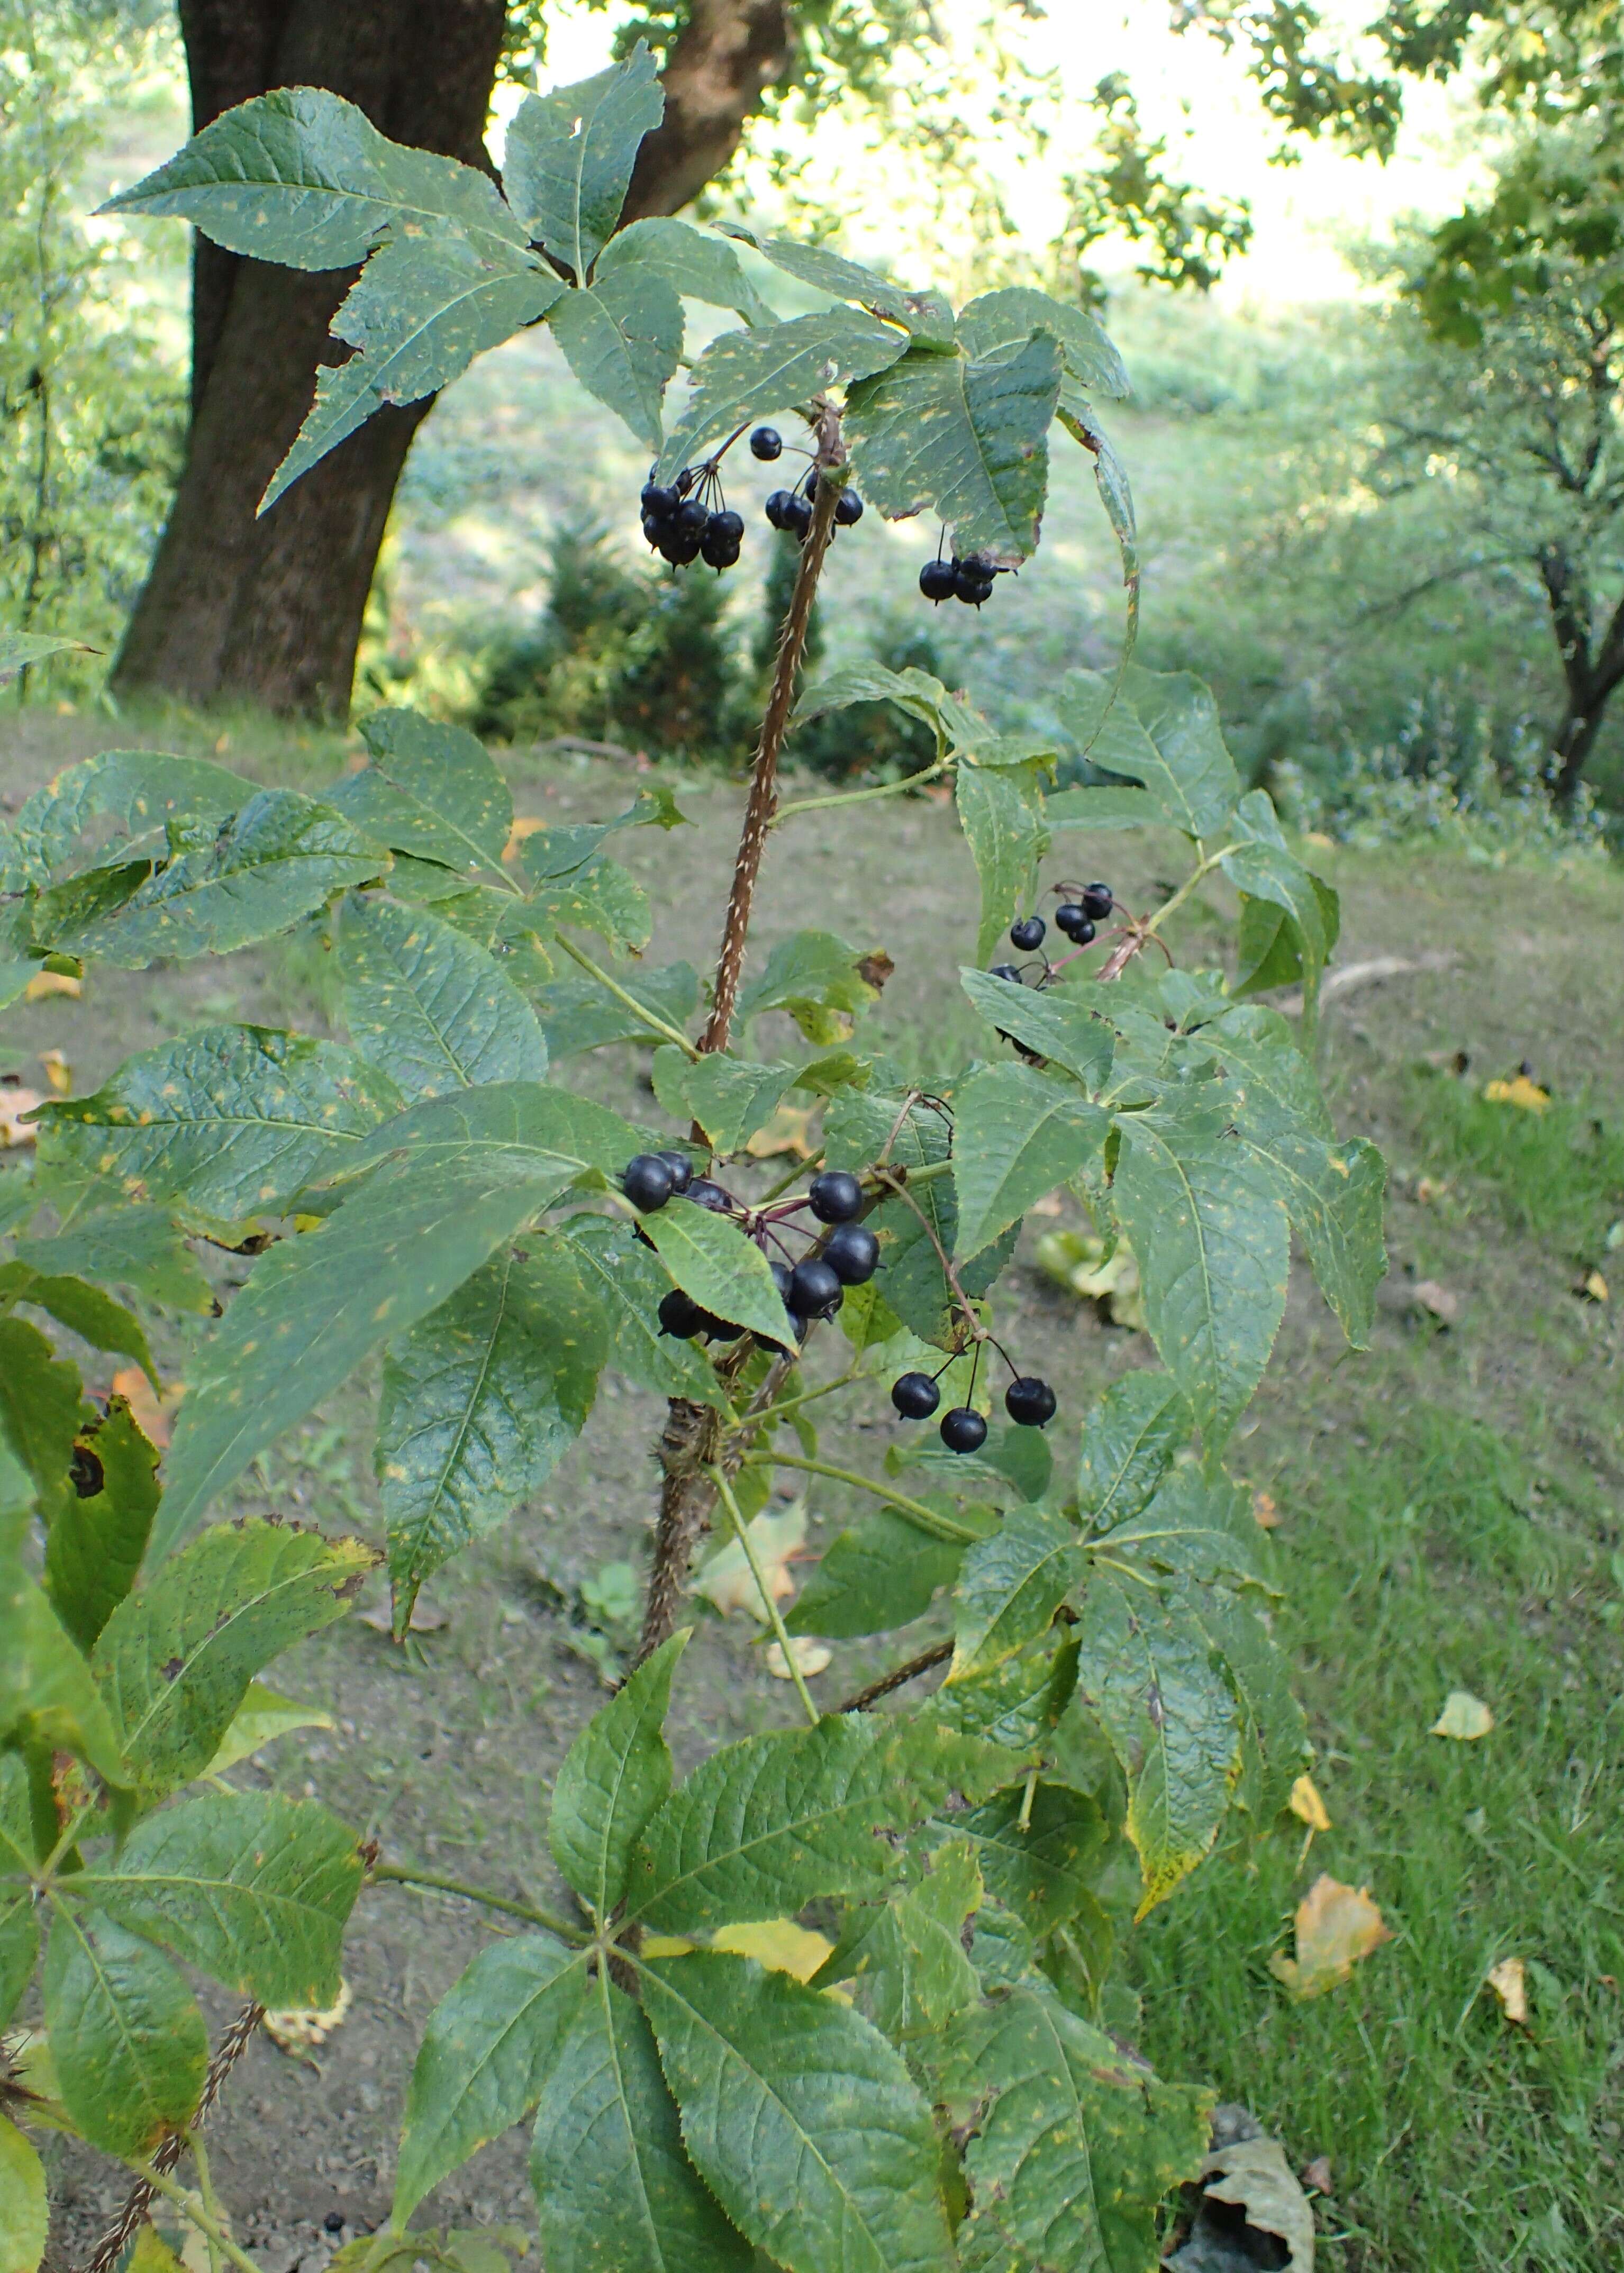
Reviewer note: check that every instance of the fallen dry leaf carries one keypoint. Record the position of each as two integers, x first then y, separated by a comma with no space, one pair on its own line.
1441,1302
1266,1510
1075,1260
1520,1092
1464,1717
727,1581
14,1102
810,1657
1317,2174
787,1131
1594,1287
424,1620
1509,1981
1430,1189
44,984
1307,1804
1254,2177
58,1072
151,1412
297,2029
778,1944
1336,1925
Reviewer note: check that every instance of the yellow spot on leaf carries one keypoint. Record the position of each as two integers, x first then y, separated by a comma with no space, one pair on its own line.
778,1944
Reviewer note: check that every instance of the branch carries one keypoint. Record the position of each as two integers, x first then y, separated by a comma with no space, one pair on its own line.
938,1654
727,53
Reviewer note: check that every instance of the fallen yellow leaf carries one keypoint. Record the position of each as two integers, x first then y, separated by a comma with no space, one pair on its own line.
1307,1804
727,1581
1266,1509
301,2027
44,984
1520,1090
58,1072
1429,1188
1443,1302
1464,1717
789,1130
1336,1925
1509,1981
14,1102
809,1657
1596,1288
778,1944
151,1412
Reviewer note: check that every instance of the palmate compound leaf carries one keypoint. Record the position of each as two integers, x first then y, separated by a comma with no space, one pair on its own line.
235,1118
614,1778
613,2186
1071,1026
428,1005
454,1177
778,365
1128,1440
429,790
802,2119
1001,812
1010,1585
1074,2147
764,1825
99,1535
969,439
174,1660
25,2214
128,2041
1145,1670
1161,729
622,338
1209,1231
1017,1134
481,1400
1040,1854
570,153
272,862
251,1887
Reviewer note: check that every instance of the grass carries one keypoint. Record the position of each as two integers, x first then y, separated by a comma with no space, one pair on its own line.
1556,1174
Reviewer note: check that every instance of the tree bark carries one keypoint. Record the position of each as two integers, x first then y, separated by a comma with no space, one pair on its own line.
269,612
1592,673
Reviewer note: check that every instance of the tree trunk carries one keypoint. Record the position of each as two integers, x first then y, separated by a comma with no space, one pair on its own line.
1592,673
1576,738
269,612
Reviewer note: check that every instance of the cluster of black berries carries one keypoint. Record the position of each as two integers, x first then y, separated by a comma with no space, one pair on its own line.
689,519
969,580
1078,918
1028,1402
791,510
846,1255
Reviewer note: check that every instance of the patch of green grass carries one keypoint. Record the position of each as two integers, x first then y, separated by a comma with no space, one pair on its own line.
1557,1175
1458,2144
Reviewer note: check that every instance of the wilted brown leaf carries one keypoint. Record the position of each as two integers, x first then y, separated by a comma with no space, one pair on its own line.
1520,1092
1336,1925
787,1131
809,1657
1266,1510
299,2029
58,1072
1441,1300
1317,2174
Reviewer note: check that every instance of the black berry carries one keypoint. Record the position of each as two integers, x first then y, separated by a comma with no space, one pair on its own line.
853,1253
691,517
778,506
717,549
648,1182
938,580
1028,934
797,515
681,1170
1030,1401
972,584
963,1429
915,1396
655,525
678,546
719,1330
1006,971
658,500
814,1292
726,524
848,508
836,1196
766,443
1071,919
680,1316
704,1194
1097,901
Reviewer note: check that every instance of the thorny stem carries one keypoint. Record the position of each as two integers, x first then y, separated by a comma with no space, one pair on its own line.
649,1018
923,1518
396,1874
741,1532
190,2209
938,1654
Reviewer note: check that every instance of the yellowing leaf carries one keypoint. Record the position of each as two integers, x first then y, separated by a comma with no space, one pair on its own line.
1307,1804
778,1944
261,1717
1464,1717
1509,1981
24,2218
58,1072
1520,1092
297,2029
524,824
809,1657
666,1944
1336,1925
152,2252
14,1102
786,1132
44,984
727,1581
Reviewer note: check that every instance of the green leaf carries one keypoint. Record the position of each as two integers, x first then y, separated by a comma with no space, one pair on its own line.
763,1825
19,648
1016,1135
1100,808
1192,1527
614,2188
1000,321
127,2038
1073,2147
236,1120
302,177
630,1285
913,691
969,439
622,338
1063,1025
570,155
137,791
1002,815
84,1309
1145,1671
19,1943
430,791
42,1407
260,1718
577,1013
696,264
810,975
48,1698
1276,1749
711,1259
481,1400
251,1887
1111,477
1128,1440
600,896
1010,1586
1161,729
908,1955
25,2214
417,316
1019,1702
781,366
1039,1857
95,1546
489,2048
614,1778
428,1005
802,2119
731,1098
881,1574
926,315
135,1246
1263,868
274,861
1210,1235
174,1661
